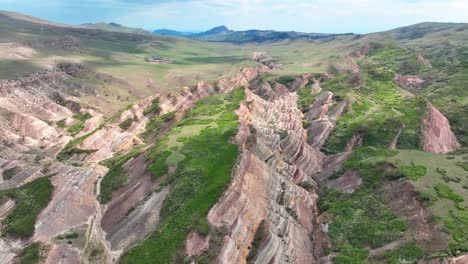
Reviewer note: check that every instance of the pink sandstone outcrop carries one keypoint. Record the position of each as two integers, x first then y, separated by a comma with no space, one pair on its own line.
300,82
265,59
457,260
196,244
321,118
244,78
348,182
438,136
275,157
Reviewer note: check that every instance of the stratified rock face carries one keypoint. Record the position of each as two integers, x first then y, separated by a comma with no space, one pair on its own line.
300,82
73,203
244,78
322,117
275,157
6,206
438,137
265,59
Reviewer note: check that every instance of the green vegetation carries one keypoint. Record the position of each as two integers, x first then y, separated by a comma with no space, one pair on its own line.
351,255
361,219
116,177
285,80
413,172
30,199
154,125
10,173
198,182
70,149
379,108
154,108
260,236
61,123
159,167
407,253
69,235
306,98
30,254
126,123
443,191
78,126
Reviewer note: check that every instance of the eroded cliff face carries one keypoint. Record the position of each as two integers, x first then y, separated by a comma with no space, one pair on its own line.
276,164
438,136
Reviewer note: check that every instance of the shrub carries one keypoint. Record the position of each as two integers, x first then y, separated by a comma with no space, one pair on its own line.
126,123
159,167
407,253
154,108
443,191
260,235
10,173
61,123
413,172
285,80
351,255
31,254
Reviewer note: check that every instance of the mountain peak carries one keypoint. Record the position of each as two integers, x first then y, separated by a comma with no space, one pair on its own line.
218,29
114,24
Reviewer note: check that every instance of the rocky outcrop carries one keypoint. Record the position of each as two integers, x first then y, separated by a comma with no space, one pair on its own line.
73,202
457,260
196,244
347,183
300,82
265,59
6,207
244,78
274,160
409,81
321,118
438,136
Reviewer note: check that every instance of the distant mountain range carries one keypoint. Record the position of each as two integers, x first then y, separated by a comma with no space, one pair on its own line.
224,34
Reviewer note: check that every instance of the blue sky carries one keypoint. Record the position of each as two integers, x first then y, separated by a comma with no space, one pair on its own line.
333,16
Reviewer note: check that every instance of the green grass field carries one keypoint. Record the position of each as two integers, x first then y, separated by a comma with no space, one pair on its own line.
204,165
30,199
446,185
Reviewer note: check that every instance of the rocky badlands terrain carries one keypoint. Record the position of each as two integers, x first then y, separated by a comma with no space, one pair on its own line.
364,161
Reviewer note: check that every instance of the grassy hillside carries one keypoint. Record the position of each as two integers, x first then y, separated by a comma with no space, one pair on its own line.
116,27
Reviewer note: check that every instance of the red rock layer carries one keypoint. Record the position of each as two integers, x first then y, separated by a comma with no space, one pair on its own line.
438,136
